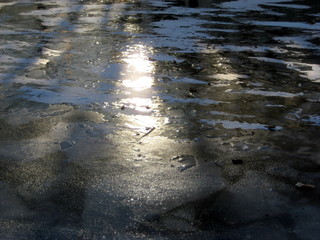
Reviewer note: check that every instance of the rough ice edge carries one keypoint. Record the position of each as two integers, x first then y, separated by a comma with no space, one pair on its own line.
313,74
269,94
242,125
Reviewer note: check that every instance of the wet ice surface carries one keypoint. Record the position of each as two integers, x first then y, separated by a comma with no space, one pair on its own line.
122,119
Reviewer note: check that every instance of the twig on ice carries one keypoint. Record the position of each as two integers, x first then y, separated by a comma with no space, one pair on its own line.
147,133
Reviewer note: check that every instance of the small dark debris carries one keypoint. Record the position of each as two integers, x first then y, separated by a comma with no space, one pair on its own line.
218,164
41,6
237,161
165,79
123,107
65,145
184,162
193,90
272,128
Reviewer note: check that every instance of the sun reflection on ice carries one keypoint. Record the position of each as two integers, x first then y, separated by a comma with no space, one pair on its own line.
139,84
141,122
142,105
139,68
137,81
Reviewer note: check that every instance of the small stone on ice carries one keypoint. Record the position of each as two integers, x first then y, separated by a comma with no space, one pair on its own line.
183,167
65,145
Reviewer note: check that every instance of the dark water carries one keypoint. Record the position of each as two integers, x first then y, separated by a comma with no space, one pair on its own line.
120,119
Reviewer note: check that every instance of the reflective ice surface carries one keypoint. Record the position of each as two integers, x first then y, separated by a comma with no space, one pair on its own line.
122,119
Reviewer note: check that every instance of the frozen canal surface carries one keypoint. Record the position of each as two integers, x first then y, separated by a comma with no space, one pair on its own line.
149,119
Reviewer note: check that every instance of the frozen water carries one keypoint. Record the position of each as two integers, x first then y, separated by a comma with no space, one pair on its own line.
97,96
